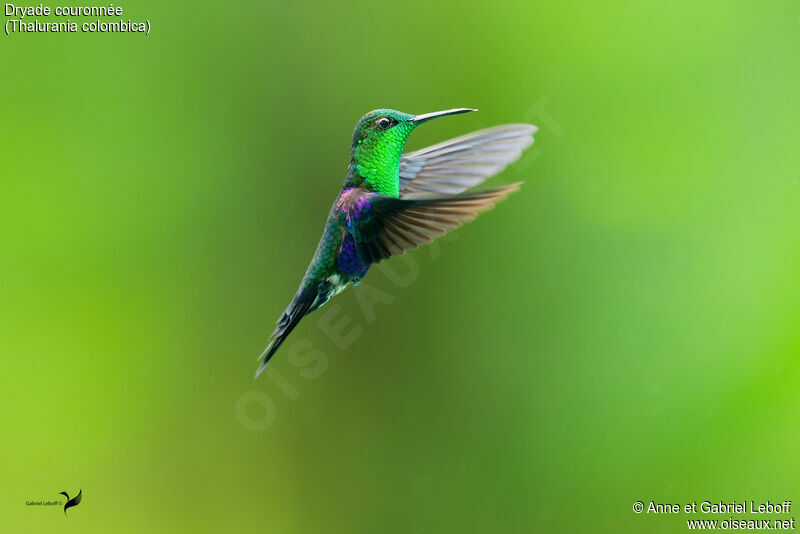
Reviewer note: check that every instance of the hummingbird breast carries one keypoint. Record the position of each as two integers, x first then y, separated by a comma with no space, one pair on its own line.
347,261
336,263
348,268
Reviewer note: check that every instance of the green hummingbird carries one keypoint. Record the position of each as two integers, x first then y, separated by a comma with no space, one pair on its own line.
393,202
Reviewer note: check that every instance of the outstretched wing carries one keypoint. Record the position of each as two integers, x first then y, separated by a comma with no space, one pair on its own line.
383,226
454,166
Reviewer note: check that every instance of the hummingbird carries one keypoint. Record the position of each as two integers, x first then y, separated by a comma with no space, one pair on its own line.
393,202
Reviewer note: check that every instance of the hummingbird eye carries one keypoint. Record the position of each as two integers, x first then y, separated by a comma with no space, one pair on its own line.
385,122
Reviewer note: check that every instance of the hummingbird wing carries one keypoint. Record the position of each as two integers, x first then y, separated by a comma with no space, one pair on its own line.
455,165
384,226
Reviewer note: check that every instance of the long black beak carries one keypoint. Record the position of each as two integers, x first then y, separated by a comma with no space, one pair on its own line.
428,116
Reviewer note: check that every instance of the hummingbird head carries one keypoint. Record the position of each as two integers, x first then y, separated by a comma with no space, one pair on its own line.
378,142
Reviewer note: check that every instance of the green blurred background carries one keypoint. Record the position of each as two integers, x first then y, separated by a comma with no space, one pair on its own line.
625,328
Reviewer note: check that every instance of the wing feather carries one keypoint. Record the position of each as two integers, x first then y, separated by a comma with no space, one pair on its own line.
394,226
452,167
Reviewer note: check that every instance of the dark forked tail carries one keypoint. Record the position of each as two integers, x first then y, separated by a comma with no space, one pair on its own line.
300,306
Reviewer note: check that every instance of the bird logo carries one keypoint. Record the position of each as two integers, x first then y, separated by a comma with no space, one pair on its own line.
75,501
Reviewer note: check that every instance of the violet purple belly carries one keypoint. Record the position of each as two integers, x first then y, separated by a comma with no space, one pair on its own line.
347,262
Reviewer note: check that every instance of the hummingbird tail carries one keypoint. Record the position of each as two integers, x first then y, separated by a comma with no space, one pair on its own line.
300,306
